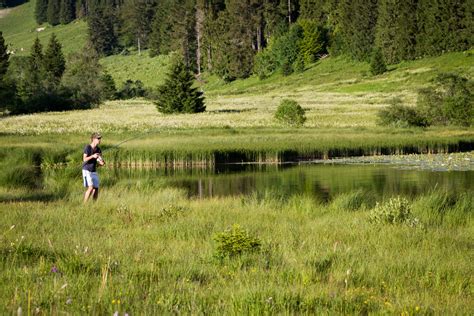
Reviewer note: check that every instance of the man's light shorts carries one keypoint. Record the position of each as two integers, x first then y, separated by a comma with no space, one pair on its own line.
90,179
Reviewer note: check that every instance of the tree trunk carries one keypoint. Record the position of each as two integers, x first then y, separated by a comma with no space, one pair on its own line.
199,30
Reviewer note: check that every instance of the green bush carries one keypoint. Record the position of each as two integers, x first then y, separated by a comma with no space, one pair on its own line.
291,113
399,115
313,42
394,211
235,241
264,64
449,101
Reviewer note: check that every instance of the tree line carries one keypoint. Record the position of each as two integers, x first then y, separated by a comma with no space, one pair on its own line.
225,36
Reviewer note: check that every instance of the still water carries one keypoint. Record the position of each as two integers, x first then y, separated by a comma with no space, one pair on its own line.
322,181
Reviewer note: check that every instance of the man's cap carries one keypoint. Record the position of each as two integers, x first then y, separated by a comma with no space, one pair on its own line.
96,135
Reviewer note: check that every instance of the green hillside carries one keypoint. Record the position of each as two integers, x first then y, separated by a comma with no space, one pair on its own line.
20,30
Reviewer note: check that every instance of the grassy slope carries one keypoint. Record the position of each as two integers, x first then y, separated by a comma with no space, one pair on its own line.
19,31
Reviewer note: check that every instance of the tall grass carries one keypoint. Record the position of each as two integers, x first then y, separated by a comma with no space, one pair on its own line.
149,250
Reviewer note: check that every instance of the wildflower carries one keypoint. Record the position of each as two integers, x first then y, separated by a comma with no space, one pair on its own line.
116,313
417,308
113,301
54,269
69,301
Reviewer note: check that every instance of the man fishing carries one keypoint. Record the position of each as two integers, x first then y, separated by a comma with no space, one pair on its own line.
91,157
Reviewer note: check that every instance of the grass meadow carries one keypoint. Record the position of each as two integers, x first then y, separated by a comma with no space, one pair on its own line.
145,248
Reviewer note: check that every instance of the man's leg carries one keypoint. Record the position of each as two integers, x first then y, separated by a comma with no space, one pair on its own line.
96,193
89,192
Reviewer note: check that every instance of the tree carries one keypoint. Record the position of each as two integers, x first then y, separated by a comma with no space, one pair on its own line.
41,11
54,6
84,78
356,27
102,32
177,94
4,57
396,29
135,27
6,90
67,12
313,42
377,62
54,62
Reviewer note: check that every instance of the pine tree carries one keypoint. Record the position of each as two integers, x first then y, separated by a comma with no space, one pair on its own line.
377,62
177,94
135,27
356,24
41,11
67,12
54,62
4,58
396,29
313,9
102,32
54,6
5,90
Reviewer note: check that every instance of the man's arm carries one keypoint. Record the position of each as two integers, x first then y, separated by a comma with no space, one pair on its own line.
85,157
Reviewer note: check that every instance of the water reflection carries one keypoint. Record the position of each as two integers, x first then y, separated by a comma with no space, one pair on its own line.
320,181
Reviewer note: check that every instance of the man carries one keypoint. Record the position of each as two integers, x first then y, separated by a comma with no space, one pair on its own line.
92,155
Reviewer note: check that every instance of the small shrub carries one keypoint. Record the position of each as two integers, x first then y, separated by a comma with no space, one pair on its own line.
286,69
299,64
291,113
395,211
235,241
399,115
377,63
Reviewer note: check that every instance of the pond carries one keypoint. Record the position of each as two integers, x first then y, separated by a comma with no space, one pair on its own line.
322,181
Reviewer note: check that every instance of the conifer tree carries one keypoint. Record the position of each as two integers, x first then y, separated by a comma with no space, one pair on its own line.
41,11
377,62
101,31
67,12
4,57
357,20
396,29
177,94
54,62
54,6
5,90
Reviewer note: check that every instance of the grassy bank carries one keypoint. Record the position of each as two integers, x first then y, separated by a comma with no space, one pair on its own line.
19,30
144,248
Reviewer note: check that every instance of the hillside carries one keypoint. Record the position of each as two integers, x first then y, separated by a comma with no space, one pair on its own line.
20,30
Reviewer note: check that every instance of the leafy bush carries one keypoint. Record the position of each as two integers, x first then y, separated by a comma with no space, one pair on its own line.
235,241
264,64
400,115
448,102
377,62
291,113
395,211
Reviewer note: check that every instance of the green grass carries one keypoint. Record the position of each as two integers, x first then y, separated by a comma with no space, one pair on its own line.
150,71
19,30
146,249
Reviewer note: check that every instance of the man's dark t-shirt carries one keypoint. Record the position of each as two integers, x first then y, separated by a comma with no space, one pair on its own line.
91,164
